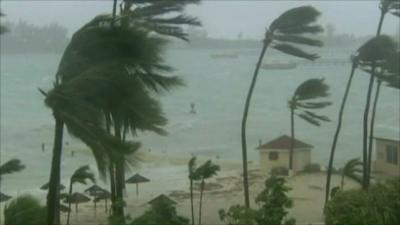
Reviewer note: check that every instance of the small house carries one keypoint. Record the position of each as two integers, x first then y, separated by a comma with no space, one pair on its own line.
276,154
387,160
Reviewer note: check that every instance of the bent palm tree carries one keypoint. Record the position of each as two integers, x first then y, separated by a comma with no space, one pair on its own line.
372,56
289,28
352,170
79,176
302,99
11,166
193,176
205,171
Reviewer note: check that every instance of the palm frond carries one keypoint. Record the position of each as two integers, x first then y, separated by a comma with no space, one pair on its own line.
207,169
294,51
376,49
300,16
311,89
313,105
298,40
352,169
312,29
178,20
11,166
317,117
309,119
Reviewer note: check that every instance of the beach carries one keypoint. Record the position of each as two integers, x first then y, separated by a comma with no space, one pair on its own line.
221,192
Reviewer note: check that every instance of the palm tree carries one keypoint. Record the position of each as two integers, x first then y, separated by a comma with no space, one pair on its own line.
289,28
80,175
390,6
205,171
385,7
352,170
11,166
302,99
372,57
193,176
95,45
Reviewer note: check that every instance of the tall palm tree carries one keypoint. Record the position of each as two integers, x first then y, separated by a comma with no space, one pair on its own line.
302,99
289,28
385,7
95,44
352,170
205,171
372,56
193,176
11,166
79,176
391,6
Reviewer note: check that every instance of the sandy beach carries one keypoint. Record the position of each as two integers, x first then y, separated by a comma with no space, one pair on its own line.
221,192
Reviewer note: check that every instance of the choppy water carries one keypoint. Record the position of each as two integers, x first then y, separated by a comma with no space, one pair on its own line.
218,88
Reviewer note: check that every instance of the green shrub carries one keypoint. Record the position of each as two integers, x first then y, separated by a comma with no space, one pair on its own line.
379,205
280,171
312,168
24,210
238,215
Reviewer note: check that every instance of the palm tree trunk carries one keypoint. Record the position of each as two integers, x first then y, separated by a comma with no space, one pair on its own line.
53,196
191,200
244,121
292,138
365,183
201,199
337,132
119,177
371,132
114,12
111,168
69,203
342,182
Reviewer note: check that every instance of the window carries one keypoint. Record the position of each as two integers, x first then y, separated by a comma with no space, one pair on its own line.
273,156
391,154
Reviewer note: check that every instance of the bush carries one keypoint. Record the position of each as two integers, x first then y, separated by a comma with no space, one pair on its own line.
238,215
312,168
24,210
379,205
280,171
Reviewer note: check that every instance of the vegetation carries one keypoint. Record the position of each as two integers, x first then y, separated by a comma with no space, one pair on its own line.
24,210
289,28
273,201
3,29
379,205
193,176
352,170
302,99
11,166
161,212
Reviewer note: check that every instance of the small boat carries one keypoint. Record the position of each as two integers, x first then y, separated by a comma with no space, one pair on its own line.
224,56
279,66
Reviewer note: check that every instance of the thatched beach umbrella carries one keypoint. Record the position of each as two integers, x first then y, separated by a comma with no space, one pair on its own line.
46,186
4,197
103,196
76,198
162,198
136,179
94,190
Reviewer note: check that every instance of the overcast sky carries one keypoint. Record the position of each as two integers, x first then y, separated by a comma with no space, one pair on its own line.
220,18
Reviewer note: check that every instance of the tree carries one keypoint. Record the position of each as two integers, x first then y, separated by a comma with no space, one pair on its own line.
3,29
274,202
302,99
289,28
24,210
11,166
391,6
79,176
238,215
161,212
193,176
205,171
352,170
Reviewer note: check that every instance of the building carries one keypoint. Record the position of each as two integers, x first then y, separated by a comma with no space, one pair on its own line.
387,161
276,154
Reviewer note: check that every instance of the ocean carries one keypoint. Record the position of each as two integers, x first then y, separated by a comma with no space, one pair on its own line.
217,87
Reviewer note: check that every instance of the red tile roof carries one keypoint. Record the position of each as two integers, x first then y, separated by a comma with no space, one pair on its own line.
283,142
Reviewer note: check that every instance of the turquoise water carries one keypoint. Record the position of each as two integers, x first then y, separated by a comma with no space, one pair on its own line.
218,88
